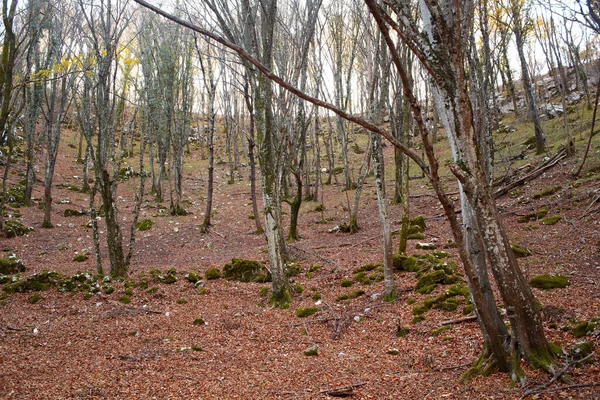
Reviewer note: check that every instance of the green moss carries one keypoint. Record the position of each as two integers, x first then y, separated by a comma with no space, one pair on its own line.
311,351
420,310
520,251
448,305
245,271
320,208
80,257
551,220
202,291
144,225
251,216
35,298
410,301
366,268
416,236
293,269
401,331
199,322
107,288
405,263
417,318
11,265
181,301
546,192
306,311
352,295
439,330
549,281
314,268
347,282
69,212
212,273
264,291
152,290
129,292
125,299
281,299
468,309
316,296
197,348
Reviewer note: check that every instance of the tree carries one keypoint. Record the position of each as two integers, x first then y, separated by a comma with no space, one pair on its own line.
521,25
105,25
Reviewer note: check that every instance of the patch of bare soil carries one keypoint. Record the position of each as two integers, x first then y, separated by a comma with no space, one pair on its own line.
74,346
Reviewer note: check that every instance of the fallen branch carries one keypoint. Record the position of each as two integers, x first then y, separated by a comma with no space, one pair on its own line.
342,391
557,376
10,328
459,320
590,206
556,389
552,161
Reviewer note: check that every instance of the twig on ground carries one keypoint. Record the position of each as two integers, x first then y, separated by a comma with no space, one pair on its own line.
342,391
455,367
10,328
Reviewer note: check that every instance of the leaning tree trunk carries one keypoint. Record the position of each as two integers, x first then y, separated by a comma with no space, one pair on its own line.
540,140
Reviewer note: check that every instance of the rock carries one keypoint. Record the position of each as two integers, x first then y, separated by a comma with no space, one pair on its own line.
552,110
574,98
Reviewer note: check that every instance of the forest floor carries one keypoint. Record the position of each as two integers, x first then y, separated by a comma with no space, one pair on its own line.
73,345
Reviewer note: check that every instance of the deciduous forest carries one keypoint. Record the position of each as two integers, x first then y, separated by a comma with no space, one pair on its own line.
298,199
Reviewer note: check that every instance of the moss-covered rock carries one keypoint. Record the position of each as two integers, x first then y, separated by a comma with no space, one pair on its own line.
193,277
427,282
520,251
144,225
311,351
352,295
13,228
405,263
425,246
415,236
80,257
546,192
246,271
347,283
212,273
581,350
551,220
199,322
69,212
583,329
306,311
549,281
419,221
11,265
533,216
